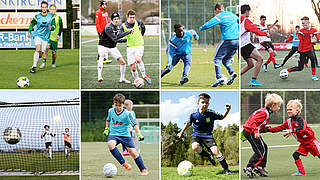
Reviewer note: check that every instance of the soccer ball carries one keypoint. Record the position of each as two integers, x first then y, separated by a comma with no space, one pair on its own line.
109,170
225,79
138,83
284,74
12,135
185,168
23,82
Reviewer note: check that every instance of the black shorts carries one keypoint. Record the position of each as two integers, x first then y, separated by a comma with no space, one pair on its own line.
267,45
48,144
206,142
247,50
67,144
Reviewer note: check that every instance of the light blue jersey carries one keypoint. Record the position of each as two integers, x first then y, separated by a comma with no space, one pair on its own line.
180,46
295,40
229,25
120,123
41,24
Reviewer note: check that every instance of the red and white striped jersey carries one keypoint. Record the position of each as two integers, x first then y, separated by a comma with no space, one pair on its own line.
263,39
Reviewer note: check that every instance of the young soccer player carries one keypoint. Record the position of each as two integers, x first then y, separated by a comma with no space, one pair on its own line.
67,142
267,43
248,51
299,128
306,48
54,37
251,131
47,135
135,44
229,27
128,104
295,43
117,129
44,23
179,47
107,44
202,122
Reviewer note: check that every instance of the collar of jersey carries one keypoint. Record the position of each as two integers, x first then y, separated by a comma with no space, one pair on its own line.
117,113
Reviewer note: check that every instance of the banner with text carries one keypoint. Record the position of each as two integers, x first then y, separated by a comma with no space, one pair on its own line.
30,4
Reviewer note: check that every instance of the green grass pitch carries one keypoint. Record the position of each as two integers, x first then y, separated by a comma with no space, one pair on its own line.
111,72
94,155
280,164
201,74
39,177
15,64
271,78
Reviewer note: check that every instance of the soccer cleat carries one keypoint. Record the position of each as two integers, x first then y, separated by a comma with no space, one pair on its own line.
184,79
100,79
125,81
276,66
125,153
260,171
147,79
107,61
53,65
315,78
231,78
298,174
228,172
144,172
254,82
127,166
306,65
33,70
43,65
248,172
217,83
265,67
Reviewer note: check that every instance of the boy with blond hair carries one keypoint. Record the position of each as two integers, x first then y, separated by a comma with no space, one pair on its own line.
128,104
298,127
251,131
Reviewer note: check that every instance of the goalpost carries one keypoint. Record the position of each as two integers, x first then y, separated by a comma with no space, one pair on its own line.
165,31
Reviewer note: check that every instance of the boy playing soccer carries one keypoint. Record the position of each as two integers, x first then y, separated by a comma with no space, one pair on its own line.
202,121
67,142
299,128
47,135
295,43
251,131
128,105
179,47
117,129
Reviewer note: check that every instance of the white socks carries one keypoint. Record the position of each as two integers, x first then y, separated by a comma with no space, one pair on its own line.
66,151
122,71
100,66
142,69
135,74
35,58
50,153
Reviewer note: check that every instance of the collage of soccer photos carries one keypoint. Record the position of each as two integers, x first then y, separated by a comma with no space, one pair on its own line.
159,89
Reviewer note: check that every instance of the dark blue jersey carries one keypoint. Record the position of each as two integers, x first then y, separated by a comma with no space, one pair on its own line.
202,124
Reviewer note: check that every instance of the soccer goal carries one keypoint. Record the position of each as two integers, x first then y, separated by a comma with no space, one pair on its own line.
165,31
23,151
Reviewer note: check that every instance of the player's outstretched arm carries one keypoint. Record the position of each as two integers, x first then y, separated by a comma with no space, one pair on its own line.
228,108
212,22
170,50
270,27
194,34
183,129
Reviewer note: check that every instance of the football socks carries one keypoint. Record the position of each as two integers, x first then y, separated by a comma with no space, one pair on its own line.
116,154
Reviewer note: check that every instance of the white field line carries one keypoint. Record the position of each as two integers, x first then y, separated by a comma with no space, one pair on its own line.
280,146
91,40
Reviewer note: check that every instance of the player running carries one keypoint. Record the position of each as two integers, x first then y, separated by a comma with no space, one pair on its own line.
44,23
251,131
248,51
229,27
179,47
306,47
135,44
117,129
47,135
267,43
54,37
202,121
107,44
299,128
295,43
67,142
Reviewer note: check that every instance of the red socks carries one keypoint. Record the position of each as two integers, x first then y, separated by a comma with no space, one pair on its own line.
271,58
313,71
300,166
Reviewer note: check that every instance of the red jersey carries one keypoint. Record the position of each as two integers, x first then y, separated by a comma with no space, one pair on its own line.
101,20
300,130
247,26
305,39
258,120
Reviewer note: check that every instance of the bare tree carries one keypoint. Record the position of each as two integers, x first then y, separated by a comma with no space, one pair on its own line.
316,7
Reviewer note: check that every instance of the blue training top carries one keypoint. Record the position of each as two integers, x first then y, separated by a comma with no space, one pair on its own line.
295,40
41,28
229,25
120,123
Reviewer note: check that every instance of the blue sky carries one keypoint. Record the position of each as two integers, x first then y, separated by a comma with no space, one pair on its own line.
177,105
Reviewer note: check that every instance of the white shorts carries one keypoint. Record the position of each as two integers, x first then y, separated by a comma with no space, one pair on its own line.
43,44
133,52
113,51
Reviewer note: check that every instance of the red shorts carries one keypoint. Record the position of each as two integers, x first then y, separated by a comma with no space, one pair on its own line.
313,148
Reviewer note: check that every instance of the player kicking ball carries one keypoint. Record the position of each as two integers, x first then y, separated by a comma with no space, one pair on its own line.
107,44
47,135
179,47
295,44
202,122
299,128
67,142
117,129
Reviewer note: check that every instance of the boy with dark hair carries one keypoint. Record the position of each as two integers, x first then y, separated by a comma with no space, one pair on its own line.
67,142
47,135
295,43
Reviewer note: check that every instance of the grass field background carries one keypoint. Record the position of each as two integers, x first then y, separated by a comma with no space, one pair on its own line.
94,155
111,72
271,78
201,74
39,177
15,64
280,164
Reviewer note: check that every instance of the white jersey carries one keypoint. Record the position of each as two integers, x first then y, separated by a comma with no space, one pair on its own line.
244,34
47,135
262,39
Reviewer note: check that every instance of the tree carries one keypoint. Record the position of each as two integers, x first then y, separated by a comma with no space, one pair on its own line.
316,7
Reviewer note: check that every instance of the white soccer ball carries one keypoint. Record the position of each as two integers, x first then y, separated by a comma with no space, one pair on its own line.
204,50
109,170
284,74
12,135
225,79
185,168
138,83
23,82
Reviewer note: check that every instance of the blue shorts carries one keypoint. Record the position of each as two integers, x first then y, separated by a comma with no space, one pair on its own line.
226,49
125,141
185,58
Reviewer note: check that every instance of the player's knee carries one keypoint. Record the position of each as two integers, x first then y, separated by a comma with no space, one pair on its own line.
54,52
196,147
296,155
